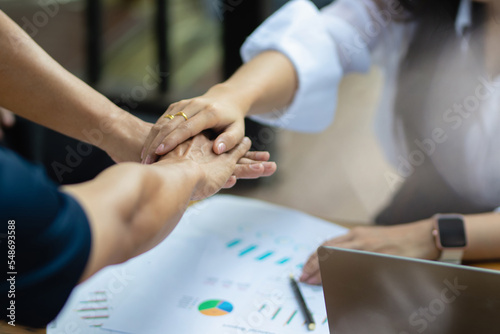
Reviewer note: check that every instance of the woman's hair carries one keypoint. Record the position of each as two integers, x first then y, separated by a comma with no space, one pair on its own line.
436,9
436,74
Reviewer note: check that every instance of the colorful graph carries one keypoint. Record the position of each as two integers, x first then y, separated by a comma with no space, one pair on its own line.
283,253
95,309
248,250
215,308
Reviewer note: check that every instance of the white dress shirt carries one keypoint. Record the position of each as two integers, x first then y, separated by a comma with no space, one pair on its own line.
351,36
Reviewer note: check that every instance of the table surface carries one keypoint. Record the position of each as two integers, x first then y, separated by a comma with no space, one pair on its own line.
7,329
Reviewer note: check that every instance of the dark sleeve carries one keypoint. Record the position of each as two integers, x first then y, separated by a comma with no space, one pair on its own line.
52,242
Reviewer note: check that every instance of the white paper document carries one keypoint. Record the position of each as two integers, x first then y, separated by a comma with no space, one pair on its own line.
224,270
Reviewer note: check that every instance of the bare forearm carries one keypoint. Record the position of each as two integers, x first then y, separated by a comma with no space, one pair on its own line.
268,82
36,87
131,208
483,236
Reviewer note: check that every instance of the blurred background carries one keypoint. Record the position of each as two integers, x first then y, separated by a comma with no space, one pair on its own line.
186,46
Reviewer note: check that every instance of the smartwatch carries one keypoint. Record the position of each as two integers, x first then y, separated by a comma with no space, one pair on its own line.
450,236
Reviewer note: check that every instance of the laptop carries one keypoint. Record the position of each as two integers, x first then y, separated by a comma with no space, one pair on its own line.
367,293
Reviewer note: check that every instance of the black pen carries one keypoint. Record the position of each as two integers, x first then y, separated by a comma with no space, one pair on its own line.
311,325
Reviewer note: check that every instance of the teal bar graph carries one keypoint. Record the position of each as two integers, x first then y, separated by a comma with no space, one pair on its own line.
283,261
265,256
233,243
247,250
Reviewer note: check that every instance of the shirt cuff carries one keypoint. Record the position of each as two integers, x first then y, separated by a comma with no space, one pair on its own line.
298,30
349,24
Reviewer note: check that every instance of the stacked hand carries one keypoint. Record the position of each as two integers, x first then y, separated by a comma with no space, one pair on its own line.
215,110
220,171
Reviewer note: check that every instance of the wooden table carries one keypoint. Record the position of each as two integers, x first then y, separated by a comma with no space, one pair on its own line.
7,329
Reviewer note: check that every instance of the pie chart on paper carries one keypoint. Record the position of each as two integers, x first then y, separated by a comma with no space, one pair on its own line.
215,308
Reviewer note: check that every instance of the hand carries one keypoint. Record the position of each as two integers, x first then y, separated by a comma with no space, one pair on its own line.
217,109
252,166
410,240
7,120
220,171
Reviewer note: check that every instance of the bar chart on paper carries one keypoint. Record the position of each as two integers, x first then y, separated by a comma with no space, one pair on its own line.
236,280
95,309
266,247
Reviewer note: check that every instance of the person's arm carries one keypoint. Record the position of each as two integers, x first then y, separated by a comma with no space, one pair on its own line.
267,82
132,207
294,60
415,240
36,87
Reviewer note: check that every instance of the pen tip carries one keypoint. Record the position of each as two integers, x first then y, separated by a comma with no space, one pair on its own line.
312,326
291,276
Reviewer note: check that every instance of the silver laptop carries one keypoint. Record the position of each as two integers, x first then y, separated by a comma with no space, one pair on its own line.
368,293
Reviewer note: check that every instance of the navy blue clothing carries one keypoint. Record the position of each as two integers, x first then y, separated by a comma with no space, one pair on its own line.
52,242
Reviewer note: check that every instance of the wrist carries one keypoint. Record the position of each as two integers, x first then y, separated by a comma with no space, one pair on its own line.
430,250
123,136
239,96
187,171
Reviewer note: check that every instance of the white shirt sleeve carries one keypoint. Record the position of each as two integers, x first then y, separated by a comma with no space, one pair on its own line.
323,46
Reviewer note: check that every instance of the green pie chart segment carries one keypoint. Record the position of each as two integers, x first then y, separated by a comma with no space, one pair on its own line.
215,308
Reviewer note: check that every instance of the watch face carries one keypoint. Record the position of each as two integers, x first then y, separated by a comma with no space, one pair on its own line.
452,232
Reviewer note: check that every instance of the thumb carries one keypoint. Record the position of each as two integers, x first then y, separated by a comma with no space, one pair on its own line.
227,140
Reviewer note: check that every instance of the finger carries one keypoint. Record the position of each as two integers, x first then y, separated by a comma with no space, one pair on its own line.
315,279
230,183
311,268
230,137
154,132
269,168
162,128
246,161
146,151
156,146
240,150
198,120
258,156
254,169
249,171
7,118
310,273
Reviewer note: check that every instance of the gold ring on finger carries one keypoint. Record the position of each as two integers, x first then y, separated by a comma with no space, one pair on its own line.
169,116
180,113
